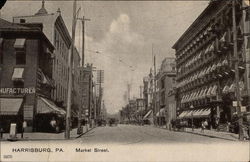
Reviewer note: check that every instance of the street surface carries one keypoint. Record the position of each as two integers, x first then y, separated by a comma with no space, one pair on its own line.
134,134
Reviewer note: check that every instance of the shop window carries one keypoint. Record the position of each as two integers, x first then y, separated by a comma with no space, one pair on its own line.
20,57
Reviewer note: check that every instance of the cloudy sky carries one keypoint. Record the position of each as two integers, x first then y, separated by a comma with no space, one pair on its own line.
123,32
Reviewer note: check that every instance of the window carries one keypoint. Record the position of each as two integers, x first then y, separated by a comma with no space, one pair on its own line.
22,21
18,84
20,58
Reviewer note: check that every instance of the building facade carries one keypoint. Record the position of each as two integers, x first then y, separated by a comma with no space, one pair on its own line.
26,81
165,79
206,64
57,32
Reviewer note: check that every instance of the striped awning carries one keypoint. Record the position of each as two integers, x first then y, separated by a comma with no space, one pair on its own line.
18,74
19,43
45,106
147,115
10,106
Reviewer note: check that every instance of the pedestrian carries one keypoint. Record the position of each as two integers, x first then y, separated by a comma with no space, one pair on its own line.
53,124
205,124
202,126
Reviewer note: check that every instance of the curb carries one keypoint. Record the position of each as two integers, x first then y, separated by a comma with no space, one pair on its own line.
85,132
211,136
30,139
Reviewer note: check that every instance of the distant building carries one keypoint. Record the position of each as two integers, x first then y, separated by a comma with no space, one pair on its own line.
165,79
26,82
86,88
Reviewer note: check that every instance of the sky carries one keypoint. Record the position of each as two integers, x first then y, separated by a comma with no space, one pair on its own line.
123,33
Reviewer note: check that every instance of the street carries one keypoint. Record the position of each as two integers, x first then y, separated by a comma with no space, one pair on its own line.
133,134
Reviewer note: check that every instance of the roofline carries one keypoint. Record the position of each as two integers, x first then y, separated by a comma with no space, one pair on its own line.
191,26
33,15
36,31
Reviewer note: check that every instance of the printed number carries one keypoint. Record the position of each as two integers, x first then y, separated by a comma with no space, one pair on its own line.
7,156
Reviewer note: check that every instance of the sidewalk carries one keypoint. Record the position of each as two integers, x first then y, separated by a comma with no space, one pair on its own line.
208,133
47,136
214,134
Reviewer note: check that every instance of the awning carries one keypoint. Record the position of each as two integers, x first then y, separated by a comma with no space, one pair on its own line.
225,89
182,114
147,115
209,91
197,112
231,88
189,114
213,92
204,93
19,43
18,74
201,113
205,112
45,106
161,113
10,106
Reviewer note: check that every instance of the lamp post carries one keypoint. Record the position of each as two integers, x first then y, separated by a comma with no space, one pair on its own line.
192,117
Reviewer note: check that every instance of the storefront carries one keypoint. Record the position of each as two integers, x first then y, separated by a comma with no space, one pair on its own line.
11,112
45,113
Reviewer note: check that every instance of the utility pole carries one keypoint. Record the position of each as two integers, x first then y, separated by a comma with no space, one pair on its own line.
79,129
70,60
154,96
236,66
90,96
83,19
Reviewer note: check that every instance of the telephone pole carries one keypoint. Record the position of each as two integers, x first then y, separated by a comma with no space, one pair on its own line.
70,60
79,129
236,66
83,19
154,96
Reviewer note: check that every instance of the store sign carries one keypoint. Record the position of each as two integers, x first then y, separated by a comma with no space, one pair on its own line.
17,90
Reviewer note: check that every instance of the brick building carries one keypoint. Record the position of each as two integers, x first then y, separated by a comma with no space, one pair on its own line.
26,81
56,31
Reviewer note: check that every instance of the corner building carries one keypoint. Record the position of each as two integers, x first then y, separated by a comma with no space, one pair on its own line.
205,64
56,31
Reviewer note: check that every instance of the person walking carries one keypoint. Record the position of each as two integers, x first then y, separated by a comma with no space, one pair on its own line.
202,126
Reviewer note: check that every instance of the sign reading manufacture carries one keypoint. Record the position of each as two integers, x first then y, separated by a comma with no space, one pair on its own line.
17,90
